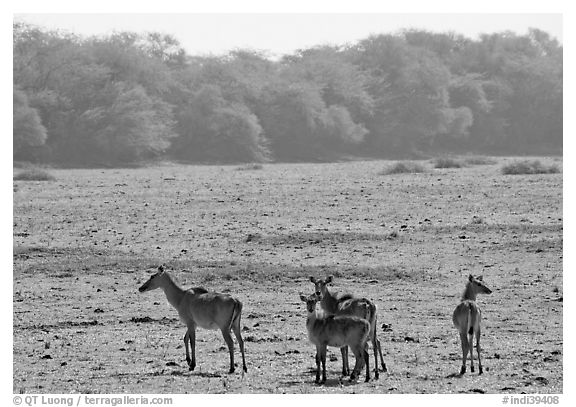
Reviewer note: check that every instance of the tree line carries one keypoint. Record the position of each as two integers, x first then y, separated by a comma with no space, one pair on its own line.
128,97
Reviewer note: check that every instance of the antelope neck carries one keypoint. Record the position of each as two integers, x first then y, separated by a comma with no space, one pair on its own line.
311,319
173,292
329,302
469,293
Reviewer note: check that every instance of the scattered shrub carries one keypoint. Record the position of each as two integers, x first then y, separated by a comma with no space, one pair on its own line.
250,167
478,160
529,167
403,167
447,163
23,165
34,174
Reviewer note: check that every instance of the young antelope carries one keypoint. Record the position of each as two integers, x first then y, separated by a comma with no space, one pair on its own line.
467,317
348,304
199,308
336,332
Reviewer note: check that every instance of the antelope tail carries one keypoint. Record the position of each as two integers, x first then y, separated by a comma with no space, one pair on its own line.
373,320
236,314
471,318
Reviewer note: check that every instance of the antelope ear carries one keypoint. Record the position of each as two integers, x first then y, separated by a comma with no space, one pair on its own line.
470,277
313,279
329,278
303,298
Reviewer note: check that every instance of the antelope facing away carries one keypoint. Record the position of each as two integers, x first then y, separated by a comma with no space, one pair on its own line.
199,308
338,332
467,318
347,304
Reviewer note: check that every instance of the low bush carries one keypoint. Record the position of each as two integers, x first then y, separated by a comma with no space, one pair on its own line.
250,167
403,167
34,174
529,167
479,160
447,163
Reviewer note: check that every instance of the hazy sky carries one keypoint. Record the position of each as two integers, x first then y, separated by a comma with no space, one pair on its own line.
282,33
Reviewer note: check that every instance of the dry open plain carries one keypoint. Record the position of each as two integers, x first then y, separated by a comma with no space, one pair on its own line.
84,243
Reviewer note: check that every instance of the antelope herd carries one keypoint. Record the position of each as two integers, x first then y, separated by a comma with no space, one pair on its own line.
344,321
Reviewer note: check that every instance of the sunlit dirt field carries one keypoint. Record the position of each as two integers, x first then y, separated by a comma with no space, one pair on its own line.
84,243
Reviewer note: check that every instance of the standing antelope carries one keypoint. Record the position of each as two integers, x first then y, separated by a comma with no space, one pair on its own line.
347,304
198,307
338,332
467,318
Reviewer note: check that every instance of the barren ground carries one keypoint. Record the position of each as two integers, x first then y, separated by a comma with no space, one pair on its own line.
84,243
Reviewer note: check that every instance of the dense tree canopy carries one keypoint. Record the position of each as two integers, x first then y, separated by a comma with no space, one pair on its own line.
129,97
28,129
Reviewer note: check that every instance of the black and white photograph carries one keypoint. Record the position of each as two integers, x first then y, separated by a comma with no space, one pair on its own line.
293,202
